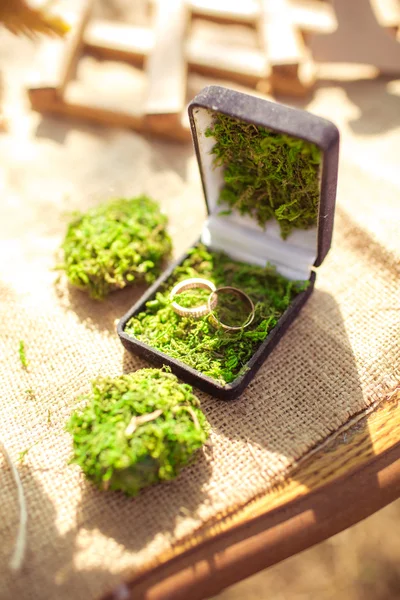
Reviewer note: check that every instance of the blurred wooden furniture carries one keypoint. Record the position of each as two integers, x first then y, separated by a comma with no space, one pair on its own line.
260,44
351,477
267,45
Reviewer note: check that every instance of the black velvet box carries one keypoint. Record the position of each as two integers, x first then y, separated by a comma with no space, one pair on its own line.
294,257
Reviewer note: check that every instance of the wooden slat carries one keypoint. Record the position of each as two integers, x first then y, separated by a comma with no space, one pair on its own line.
55,60
231,52
204,53
387,12
226,11
292,69
107,92
308,15
166,65
313,16
108,85
107,116
118,41
281,41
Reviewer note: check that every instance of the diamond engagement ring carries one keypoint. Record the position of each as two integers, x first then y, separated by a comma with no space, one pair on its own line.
188,284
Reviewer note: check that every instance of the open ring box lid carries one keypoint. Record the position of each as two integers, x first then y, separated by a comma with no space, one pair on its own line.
240,236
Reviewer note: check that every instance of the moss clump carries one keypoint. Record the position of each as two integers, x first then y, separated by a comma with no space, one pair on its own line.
220,354
137,430
115,244
267,174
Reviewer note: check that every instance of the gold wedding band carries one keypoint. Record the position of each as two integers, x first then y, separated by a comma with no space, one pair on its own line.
213,302
187,284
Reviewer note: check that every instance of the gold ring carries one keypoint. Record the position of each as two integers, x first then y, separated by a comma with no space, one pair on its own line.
187,284
213,301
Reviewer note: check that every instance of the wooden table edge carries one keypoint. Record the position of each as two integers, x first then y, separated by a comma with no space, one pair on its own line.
250,545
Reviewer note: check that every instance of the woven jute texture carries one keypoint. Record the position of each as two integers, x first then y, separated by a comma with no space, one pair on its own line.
340,356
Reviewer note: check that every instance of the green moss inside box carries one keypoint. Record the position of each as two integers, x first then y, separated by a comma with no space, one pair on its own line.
269,177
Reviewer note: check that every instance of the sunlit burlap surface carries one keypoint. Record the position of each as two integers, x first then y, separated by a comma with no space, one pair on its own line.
339,356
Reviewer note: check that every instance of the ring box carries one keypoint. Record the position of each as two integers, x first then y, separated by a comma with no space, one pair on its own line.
239,235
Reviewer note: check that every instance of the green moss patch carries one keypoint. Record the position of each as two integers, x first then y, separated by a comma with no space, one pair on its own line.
22,355
267,174
220,354
115,244
137,430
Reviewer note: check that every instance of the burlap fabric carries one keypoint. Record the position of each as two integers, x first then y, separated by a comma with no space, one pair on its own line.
340,356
